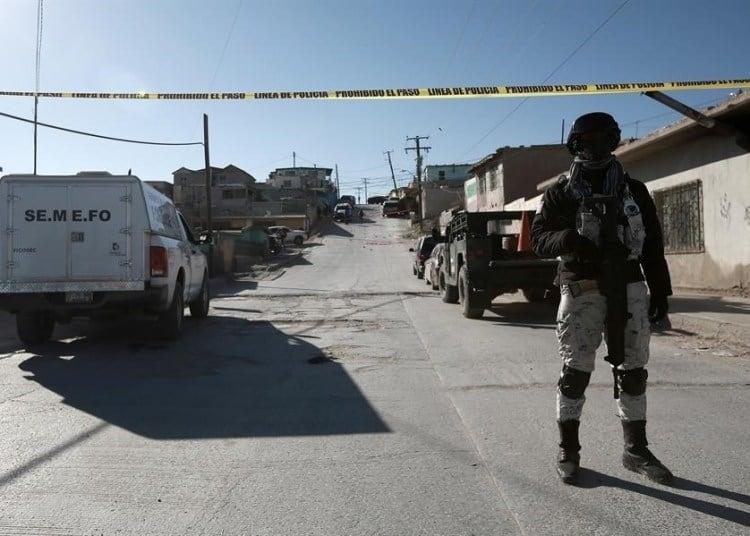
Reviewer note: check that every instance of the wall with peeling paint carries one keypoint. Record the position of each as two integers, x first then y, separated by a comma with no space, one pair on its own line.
724,170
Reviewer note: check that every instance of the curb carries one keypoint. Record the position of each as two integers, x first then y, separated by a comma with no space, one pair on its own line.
737,334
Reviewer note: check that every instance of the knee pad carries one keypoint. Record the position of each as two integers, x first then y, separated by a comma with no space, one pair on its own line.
572,382
632,382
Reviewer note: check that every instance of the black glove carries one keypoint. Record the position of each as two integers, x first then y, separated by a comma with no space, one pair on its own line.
581,246
658,308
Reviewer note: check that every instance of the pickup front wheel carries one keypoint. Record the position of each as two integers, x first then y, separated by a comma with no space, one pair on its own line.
34,327
466,296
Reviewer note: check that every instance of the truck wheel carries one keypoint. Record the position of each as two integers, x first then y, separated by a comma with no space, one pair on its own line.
413,269
533,295
199,308
170,321
466,297
298,240
449,292
420,273
34,327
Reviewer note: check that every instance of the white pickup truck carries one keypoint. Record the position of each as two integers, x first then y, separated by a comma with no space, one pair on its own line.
95,244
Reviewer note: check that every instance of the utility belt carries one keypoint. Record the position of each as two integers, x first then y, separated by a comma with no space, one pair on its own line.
586,285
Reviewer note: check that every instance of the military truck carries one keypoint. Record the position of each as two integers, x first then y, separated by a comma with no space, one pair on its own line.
481,262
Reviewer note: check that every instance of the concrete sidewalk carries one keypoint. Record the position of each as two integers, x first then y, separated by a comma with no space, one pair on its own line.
712,316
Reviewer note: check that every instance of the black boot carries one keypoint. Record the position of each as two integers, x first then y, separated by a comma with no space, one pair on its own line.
568,459
637,458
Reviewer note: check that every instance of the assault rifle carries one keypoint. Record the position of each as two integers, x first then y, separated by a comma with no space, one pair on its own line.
612,278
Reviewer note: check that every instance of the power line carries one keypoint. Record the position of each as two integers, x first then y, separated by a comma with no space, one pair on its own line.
550,75
101,136
458,42
226,43
37,70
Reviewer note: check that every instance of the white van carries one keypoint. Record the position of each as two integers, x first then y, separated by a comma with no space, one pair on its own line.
95,243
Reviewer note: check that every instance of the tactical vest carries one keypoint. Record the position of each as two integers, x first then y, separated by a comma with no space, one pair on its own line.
631,231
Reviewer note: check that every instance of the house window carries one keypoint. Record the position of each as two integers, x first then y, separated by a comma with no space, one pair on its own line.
287,184
233,194
492,179
680,211
441,175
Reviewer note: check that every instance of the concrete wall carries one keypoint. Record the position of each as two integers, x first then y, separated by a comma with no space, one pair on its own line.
527,166
436,200
470,195
450,172
516,173
725,263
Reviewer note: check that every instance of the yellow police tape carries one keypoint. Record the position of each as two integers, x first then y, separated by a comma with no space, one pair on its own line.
463,92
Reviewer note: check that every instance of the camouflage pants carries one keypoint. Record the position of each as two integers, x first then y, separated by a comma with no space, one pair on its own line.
580,324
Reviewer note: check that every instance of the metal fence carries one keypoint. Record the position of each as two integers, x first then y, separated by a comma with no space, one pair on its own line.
680,211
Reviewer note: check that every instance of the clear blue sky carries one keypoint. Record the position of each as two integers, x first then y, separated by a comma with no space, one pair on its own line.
176,45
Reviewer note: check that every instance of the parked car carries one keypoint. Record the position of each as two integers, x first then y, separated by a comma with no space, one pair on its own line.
349,199
376,200
296,236
432,266
422,249
95,243
343,212
392,208
478,265
275,244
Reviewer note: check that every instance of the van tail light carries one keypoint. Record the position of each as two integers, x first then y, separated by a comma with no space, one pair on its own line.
158,261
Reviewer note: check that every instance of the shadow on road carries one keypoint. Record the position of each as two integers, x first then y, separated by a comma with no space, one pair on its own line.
707,304
228,377
594,479
334,229
523,314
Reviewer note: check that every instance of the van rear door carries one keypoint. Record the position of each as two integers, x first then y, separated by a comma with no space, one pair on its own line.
76,230
99,232
37,233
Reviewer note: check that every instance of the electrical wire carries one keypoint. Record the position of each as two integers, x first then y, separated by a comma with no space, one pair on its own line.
226,44
38,56
101,136
458,42
567,58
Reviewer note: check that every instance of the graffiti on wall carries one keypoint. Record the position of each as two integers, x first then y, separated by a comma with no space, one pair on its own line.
725,206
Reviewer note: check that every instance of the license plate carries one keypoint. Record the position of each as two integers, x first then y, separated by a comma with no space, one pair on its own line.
79,297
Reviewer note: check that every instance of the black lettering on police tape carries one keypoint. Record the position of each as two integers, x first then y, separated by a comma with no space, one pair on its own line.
531,89
310,95
407,92
481,90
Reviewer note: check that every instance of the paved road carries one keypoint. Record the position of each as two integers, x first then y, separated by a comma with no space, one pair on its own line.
341,396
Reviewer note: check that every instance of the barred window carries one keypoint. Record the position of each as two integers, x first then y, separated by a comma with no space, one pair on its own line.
680,211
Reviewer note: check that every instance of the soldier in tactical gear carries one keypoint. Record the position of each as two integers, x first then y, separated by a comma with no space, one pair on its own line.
568,228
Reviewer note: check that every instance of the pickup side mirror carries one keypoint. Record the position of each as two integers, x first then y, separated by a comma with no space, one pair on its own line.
411,250
205,239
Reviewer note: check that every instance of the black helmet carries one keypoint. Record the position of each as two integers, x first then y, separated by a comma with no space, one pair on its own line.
594,136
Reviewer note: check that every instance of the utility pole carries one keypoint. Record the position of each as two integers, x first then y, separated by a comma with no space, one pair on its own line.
209,222
359,189
294,159
39,22
562,132
365,181
338,192
418,148
393,175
